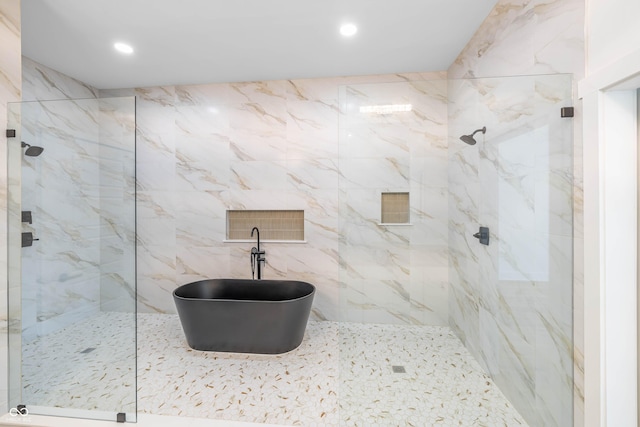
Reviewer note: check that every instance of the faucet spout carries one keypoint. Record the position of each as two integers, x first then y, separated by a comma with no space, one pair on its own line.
257,256
258,233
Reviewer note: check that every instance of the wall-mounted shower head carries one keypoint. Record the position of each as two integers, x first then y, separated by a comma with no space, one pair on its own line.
32,151
469,139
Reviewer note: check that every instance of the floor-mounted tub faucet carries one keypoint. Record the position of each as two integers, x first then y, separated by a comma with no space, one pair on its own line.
257,257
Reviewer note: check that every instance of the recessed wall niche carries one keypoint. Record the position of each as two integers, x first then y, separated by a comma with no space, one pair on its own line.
394,208
285,225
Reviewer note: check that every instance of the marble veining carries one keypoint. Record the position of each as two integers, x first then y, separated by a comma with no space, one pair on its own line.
380,265
297,144
57,86
80,192
512,300
539,37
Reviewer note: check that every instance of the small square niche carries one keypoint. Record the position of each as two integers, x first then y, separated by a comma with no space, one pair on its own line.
395,208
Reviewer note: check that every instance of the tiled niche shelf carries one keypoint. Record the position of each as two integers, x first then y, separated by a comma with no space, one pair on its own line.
286,226
394,208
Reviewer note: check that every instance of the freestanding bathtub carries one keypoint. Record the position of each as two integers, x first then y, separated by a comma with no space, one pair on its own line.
244,316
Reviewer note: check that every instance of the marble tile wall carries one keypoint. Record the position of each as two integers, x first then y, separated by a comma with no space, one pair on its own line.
517,38
116,157
512,299
81,193
10,91
394,273
204,149
60,272
521,37
51,270
41,83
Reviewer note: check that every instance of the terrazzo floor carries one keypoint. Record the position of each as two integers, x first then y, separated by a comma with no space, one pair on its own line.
88,365
341,375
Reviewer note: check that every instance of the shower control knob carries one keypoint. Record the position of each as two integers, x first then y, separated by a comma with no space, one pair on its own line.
483,235
28,239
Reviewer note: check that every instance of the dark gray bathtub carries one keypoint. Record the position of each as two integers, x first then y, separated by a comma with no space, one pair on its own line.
244,316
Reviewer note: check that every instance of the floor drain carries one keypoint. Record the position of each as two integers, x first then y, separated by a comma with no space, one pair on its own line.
397,369
88,350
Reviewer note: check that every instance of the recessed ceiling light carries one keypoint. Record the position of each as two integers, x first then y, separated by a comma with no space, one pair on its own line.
348,30
123,48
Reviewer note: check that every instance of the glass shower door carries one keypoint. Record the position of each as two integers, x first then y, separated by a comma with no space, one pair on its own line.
71,225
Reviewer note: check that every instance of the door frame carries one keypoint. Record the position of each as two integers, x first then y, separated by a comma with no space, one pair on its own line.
610,138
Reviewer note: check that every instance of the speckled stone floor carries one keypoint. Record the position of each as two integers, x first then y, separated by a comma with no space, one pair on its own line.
88,365
341,375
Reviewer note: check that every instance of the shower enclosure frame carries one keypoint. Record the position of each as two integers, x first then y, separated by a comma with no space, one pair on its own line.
83,220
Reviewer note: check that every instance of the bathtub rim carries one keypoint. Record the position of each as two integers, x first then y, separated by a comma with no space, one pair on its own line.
312,293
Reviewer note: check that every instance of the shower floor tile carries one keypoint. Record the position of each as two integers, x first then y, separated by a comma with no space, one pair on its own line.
88,365
341,375
296,388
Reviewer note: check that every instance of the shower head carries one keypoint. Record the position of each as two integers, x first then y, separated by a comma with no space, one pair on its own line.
469,139
32,151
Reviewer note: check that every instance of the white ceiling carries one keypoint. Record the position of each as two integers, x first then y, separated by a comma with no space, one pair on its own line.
209,41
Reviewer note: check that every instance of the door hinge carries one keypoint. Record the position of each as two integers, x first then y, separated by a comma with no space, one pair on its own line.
566,112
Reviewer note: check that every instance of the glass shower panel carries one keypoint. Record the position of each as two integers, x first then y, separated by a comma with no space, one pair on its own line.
427,310
393,276
512,301
72,257
393,141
